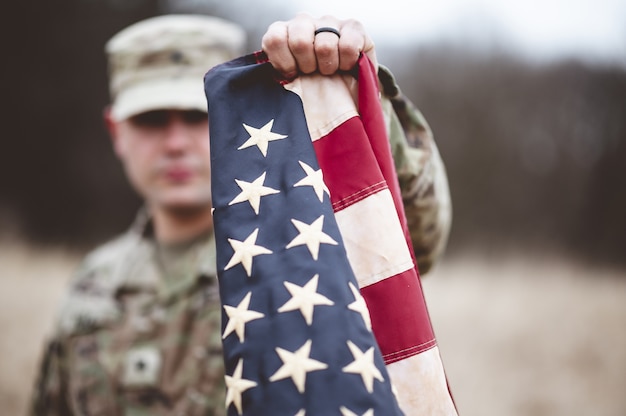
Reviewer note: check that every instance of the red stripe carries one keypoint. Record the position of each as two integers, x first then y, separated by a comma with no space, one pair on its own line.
349,165
371,114
400,319
260,57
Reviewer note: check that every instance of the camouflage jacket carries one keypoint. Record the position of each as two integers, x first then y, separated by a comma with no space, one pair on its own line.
139,332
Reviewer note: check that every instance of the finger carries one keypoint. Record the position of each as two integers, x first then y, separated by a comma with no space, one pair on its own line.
301,39
326,45
276,46
354,41
327,52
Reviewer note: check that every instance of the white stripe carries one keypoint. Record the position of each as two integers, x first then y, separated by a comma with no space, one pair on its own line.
373,238
326,104
420,385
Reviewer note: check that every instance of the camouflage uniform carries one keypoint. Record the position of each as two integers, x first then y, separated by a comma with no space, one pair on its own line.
422,176
140,330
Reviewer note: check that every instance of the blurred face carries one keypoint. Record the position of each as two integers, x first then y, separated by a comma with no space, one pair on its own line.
166,157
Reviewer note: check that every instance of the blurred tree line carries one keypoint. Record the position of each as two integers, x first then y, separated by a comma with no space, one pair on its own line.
534,153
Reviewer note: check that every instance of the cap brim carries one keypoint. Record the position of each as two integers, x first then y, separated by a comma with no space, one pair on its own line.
179,94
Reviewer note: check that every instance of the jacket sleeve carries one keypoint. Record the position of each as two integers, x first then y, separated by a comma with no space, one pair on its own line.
421,173
50,392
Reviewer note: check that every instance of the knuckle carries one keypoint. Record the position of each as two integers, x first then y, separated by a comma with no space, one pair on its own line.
299,45
329,20
303,16
270,42
274,37
348,50
353,24
324,50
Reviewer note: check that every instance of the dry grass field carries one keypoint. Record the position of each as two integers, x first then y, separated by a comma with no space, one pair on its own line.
520,335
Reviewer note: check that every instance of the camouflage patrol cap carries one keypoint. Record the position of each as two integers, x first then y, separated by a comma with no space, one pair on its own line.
159,63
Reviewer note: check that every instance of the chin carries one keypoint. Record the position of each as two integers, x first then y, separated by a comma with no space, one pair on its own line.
185,201
188,210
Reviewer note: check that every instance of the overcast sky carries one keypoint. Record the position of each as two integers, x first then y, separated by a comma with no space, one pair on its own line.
593,30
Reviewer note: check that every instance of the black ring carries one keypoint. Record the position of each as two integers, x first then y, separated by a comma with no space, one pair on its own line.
327,29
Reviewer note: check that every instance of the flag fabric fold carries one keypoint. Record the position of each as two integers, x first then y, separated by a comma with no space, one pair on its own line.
313,251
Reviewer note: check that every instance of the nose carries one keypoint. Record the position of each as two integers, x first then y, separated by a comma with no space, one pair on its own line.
177,135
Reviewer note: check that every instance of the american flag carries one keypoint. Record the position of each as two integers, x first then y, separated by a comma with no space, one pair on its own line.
312,250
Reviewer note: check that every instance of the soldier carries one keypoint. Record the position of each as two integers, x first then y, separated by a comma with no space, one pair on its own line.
139,330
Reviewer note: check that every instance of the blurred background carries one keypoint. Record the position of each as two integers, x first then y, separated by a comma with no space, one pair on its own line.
528,106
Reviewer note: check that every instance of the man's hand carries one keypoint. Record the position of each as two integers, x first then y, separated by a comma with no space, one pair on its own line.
293,47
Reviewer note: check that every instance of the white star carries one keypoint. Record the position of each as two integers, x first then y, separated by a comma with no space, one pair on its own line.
245,251
360,306
304,298
301,412
311,235
239,316
346,412
315,179
261,137
236,386
296,365
252,192
363,365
